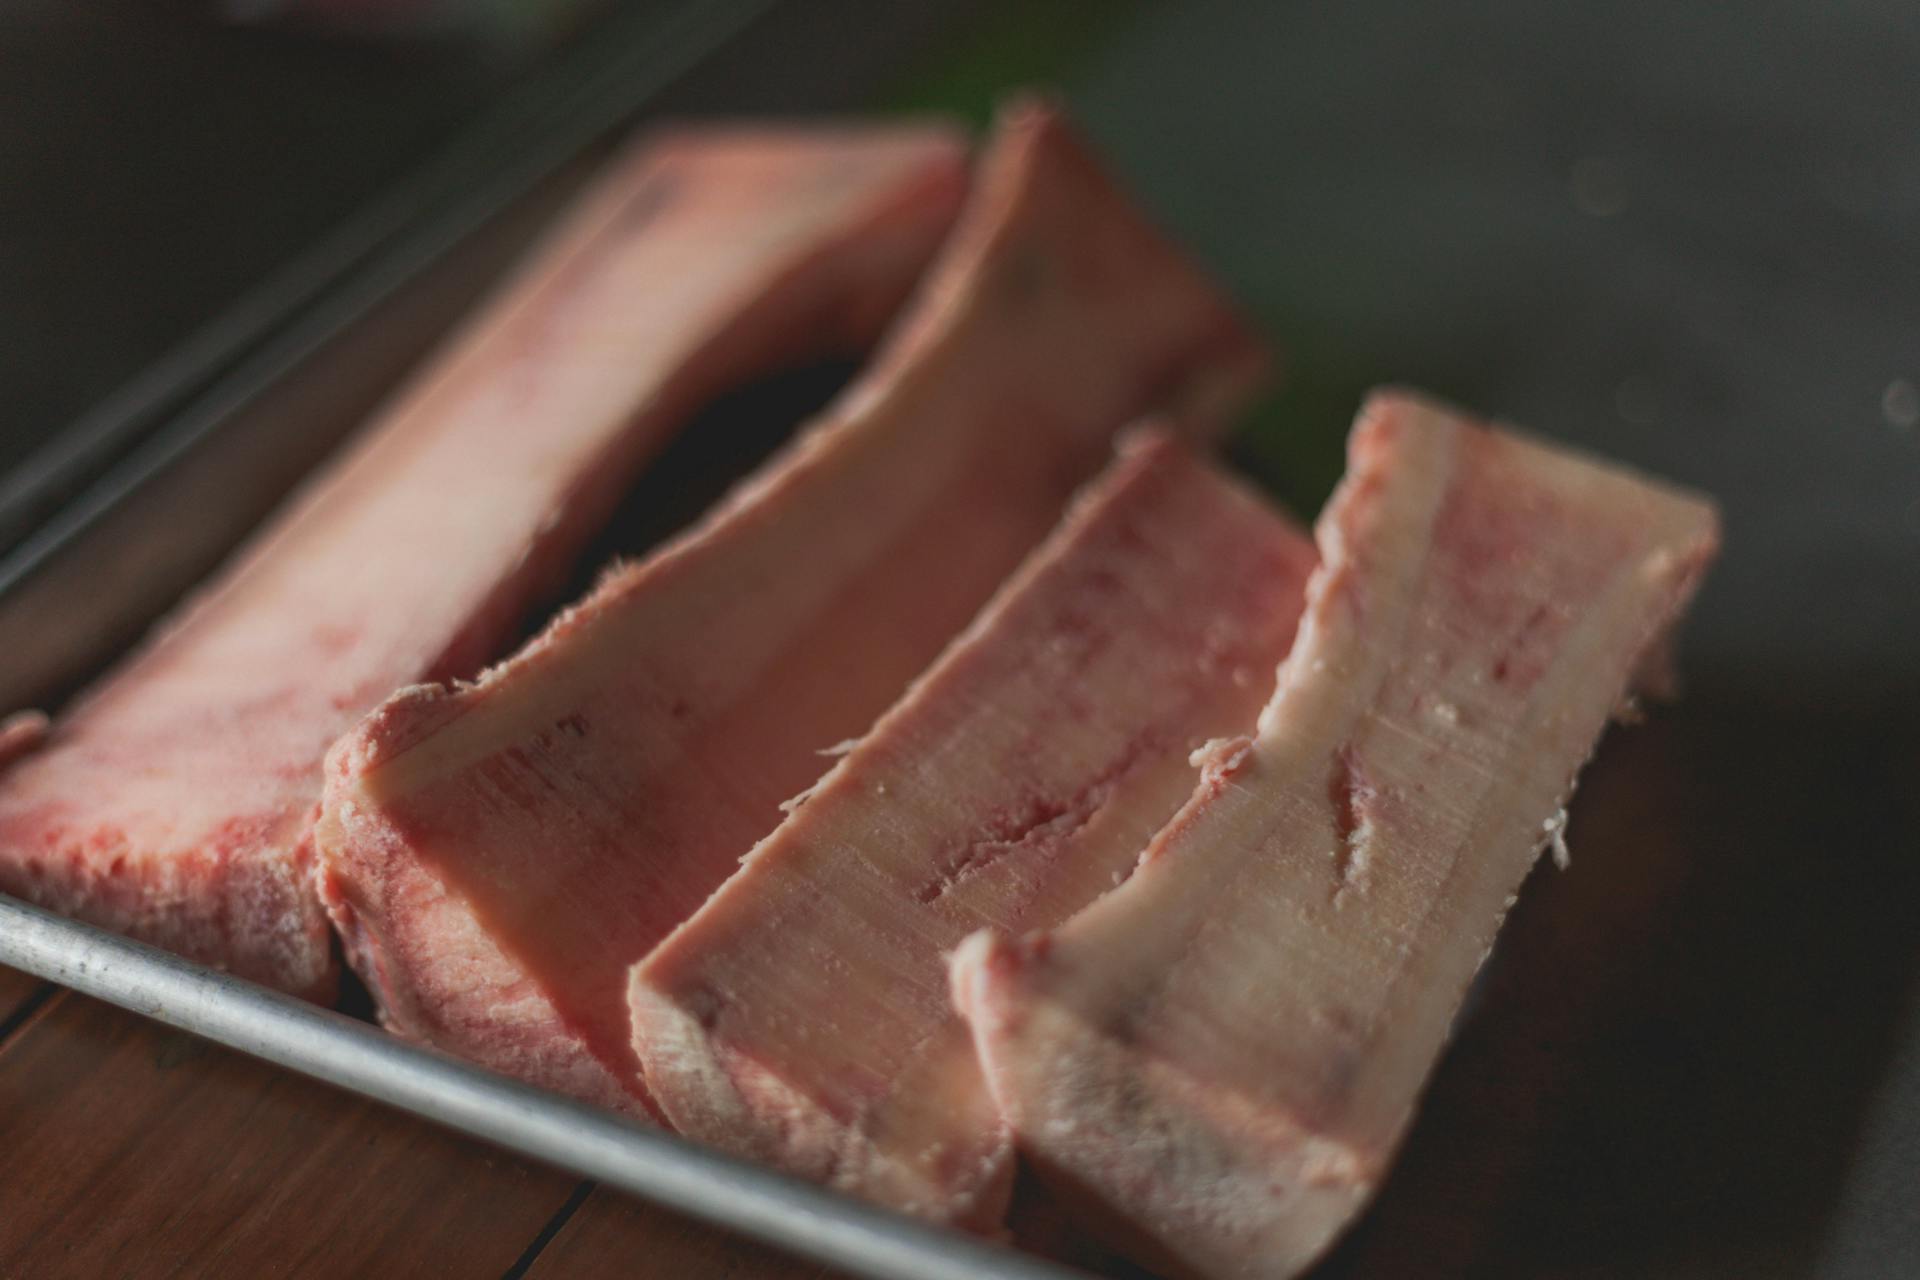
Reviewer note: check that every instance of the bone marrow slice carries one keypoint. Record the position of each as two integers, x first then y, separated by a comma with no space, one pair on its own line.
174,803
800,1017
498,855
1217,1059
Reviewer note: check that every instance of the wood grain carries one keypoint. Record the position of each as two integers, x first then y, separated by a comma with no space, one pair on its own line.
617,1238
135,1151
1631,1031
16,989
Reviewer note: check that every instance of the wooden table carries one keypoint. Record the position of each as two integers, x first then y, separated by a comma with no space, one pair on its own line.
134,1150
1672,1054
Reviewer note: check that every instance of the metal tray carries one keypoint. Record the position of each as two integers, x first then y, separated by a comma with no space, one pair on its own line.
1674,242
341,1051
141,498
105,525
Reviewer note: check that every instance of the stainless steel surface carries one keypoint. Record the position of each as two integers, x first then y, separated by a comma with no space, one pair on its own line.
90,578
351,1055
105,523
462,138
213,437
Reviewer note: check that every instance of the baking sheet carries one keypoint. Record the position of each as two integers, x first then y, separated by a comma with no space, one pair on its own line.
335,1049
1686,238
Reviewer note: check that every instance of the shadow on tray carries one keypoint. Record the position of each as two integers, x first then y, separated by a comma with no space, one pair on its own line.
1680,1036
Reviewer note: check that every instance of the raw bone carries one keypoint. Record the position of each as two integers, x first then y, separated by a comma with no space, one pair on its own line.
498,855
800,1017
175,802
1218,1058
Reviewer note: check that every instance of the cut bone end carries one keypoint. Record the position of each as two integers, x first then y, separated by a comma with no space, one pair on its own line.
799,1016
1170,1151
723,1098
1217,1057
436,976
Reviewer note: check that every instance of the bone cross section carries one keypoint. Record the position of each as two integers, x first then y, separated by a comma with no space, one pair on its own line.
175,801
498,855
1217,1059
801,1016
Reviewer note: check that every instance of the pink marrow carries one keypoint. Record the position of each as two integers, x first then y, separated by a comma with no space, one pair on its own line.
800,1017
498,855
175,801
1217,1059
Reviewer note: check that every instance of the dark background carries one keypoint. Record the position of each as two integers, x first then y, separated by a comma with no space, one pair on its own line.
1685,235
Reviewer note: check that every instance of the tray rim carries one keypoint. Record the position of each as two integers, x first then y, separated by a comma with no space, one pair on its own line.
331,1047
74,487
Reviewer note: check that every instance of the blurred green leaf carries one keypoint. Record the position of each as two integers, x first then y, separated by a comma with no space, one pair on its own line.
1291,443
1008,45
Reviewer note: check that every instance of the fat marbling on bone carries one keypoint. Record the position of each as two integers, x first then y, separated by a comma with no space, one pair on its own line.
1219,1057
800,1017
498,855
175,801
